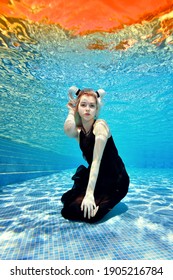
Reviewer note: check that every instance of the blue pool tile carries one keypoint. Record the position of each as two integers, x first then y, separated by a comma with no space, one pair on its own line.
139,227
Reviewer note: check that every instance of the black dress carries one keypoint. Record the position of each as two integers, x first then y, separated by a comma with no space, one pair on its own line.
111,185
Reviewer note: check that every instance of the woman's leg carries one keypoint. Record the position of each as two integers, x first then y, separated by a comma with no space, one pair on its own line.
107,202
72,210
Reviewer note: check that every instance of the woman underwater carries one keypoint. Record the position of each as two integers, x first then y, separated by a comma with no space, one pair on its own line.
104,183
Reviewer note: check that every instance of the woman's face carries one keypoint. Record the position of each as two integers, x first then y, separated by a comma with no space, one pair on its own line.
87,108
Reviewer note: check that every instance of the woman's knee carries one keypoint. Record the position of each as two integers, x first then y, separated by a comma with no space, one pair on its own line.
71,212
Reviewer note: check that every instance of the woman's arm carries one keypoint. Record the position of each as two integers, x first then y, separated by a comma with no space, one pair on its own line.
101,136
101,132
70,125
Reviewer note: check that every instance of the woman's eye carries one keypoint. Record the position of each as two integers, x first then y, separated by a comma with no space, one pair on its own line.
92,106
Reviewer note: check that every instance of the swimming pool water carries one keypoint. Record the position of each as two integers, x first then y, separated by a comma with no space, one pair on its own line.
36,74
38,63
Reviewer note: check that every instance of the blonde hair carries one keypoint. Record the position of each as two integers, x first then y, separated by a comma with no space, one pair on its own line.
74,102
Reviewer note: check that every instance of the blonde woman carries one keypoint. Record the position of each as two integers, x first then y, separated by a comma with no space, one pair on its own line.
104,183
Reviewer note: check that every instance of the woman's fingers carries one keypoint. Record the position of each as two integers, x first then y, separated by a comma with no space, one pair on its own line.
85,211
81,206
89,211
97,208
95,211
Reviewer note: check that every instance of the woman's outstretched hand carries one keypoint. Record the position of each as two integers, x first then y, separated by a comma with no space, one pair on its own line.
88,206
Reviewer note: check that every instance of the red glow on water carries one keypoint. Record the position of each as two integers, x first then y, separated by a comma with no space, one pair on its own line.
81,16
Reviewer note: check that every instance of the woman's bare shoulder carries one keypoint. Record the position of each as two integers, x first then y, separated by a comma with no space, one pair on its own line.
101,128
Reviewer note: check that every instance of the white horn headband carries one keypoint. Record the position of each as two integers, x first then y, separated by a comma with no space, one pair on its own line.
76,91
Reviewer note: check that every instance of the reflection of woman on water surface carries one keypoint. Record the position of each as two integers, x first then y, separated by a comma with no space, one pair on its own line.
104,183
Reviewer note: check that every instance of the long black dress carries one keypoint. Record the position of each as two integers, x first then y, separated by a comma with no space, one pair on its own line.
111,186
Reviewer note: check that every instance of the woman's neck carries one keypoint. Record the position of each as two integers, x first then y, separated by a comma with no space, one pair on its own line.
87,125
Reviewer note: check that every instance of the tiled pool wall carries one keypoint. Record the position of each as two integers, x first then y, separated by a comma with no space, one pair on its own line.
20,162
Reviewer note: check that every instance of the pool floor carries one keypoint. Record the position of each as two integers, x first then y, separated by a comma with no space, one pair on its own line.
139,227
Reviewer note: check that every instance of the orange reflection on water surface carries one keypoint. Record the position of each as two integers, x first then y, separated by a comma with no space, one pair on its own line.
83,17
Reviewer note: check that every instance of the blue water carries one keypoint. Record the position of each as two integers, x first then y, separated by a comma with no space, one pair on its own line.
37,159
